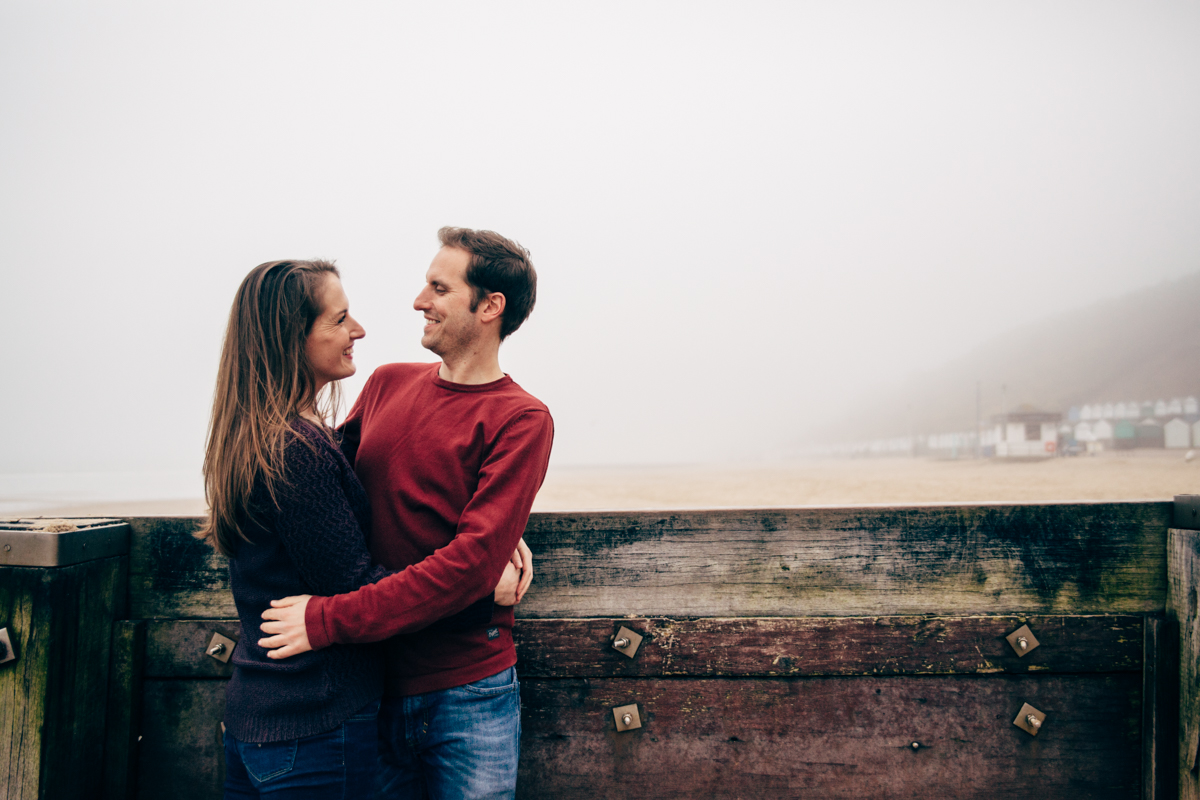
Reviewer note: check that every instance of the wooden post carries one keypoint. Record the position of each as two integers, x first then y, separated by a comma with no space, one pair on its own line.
53,697
1160,710
125,691
1183,581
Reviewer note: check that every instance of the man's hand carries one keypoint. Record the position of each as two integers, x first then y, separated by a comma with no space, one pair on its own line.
287,623
522,559
518,574
506,589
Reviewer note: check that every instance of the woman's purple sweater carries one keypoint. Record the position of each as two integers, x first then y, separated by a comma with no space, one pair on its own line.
310,543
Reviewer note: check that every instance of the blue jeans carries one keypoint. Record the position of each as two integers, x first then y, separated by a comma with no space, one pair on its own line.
459,743
336,765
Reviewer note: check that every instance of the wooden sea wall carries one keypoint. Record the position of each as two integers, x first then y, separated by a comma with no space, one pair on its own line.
825,653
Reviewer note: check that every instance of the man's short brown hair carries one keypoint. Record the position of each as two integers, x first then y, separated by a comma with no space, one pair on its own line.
497,265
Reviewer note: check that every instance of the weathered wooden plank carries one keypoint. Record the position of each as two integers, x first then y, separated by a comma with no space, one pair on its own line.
832,738
1183,583
1160,710
182,752
750,738
1076,558
1071,558
778,646
174,575
176,648
53,697
124,709
756,647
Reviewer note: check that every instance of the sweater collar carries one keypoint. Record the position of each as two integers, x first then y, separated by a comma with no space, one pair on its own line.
467,387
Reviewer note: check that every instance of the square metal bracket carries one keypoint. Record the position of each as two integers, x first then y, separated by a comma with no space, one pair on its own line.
220,647
6,648
627,641
1023,641
627,717
1029,719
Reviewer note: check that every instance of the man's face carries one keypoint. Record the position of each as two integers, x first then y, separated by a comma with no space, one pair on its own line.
450,325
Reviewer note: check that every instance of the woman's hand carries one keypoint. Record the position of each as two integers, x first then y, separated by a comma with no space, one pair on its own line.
518,574
287,623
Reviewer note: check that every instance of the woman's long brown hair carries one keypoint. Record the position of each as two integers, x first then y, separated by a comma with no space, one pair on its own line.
264,381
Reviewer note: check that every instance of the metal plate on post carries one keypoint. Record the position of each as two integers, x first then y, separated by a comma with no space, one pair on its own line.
1029,719
1022,640
1187,512
220,647
627,717
627,641
6,648
36,542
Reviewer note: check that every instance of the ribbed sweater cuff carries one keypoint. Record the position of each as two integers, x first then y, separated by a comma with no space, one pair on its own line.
314,623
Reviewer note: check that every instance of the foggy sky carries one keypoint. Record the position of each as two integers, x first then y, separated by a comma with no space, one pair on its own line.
743,215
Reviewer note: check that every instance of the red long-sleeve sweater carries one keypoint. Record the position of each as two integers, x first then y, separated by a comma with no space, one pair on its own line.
451,471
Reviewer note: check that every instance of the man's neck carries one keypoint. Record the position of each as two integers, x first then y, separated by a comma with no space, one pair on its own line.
471,370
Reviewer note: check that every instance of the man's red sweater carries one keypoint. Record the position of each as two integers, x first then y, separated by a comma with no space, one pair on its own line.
451,471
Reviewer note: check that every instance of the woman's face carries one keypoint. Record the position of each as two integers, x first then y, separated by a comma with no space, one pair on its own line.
330,345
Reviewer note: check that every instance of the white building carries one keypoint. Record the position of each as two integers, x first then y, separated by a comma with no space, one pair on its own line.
1177,434
1027,433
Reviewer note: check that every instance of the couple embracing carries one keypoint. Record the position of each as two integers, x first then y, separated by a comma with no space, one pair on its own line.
381,560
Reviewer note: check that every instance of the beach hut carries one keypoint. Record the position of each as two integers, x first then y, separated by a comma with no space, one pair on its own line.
1175,406
1146,410
1191,405
1121,411
1027,432
1124,435
1160,408
1108,412
1177,434
1196,432
1074,414
1148,433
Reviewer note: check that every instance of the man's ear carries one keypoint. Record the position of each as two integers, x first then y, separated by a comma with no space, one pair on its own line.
492,307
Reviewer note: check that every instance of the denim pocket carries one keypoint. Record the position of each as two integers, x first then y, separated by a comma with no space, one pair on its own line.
267,760
498,684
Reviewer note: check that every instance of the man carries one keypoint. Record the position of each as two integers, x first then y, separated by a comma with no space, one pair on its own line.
451,455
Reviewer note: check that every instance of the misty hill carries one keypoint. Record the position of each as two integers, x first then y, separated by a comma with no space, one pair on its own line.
1142,346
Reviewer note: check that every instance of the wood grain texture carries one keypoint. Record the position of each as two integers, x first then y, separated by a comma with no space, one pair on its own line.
53,698
1100,558
770,647
182,755
1160,710
122,728
176,648
755,647
1077,558
1183,583
832,738
174,575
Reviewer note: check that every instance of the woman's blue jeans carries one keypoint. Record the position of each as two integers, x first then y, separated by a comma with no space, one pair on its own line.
337,765
460,743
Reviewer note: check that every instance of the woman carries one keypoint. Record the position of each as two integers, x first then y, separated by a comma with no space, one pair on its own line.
288,511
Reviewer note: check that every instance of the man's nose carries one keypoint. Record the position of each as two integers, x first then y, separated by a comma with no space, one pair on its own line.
422,301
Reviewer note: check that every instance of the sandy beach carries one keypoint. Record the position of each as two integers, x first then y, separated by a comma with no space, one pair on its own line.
1129,475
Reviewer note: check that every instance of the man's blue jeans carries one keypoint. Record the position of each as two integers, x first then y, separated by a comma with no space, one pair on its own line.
329,766
460,743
